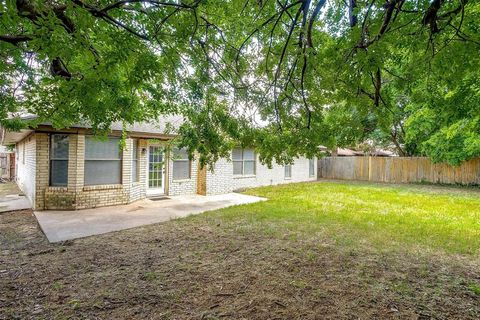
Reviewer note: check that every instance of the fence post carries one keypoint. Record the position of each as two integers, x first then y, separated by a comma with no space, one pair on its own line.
398,170
369,168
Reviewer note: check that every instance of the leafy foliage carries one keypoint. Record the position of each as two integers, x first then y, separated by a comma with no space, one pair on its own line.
285,76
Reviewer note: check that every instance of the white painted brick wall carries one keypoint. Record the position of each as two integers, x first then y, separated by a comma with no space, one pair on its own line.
26,166
222,180
185,186
138,189
33,172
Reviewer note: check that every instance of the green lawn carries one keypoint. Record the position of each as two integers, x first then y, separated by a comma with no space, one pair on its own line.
383,217
340,250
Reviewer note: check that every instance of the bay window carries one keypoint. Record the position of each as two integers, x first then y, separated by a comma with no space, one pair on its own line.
135,166
58,160
103,161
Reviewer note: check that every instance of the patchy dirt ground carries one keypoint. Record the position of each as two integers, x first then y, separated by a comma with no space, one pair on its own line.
193,269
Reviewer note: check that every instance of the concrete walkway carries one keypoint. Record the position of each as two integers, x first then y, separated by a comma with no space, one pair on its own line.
67,225
11,198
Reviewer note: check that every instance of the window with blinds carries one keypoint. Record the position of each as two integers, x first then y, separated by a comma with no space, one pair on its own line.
135,166
288,171
103,161
58,160
181,165
243,162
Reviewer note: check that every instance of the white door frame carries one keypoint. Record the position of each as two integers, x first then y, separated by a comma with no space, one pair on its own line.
161,189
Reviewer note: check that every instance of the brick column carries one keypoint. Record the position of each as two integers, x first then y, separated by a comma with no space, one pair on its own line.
72,162
76,179
42,174
76,164
80,164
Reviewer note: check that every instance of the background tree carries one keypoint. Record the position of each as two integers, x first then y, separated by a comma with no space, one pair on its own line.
285,76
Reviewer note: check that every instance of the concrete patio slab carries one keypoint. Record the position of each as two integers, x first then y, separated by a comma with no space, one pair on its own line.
68,225
11,198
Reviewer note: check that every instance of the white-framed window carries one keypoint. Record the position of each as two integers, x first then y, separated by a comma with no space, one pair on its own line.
58,160
243,162
311,167
288,171
103,161
181,165
135,166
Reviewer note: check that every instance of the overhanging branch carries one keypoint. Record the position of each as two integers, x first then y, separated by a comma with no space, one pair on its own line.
15,40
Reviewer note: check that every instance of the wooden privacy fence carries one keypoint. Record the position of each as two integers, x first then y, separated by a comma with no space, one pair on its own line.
398,170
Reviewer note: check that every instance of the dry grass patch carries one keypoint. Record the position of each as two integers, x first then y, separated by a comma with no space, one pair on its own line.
239,263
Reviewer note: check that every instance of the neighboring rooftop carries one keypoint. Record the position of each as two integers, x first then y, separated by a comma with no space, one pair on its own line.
345,152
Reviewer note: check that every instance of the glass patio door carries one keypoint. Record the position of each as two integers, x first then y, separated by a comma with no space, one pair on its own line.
156,170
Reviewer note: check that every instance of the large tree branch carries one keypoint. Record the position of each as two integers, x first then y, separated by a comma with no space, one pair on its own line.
351,14
430,17
377,83
104,16
15,40
304,9
26,9
264,24
390,7
120,4
313,18
394,136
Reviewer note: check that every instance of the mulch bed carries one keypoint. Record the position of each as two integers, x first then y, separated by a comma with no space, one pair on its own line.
196,269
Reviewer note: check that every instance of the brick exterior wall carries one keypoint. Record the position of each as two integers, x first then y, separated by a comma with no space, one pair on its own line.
222,180
26,164
33,176
76,195
138,189
42,172
184,186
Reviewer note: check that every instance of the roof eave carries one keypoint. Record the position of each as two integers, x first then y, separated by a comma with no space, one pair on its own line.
12,137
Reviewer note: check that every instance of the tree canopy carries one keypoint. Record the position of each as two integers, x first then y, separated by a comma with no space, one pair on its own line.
284,76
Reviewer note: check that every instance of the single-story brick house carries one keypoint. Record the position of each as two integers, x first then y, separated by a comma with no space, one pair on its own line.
71,169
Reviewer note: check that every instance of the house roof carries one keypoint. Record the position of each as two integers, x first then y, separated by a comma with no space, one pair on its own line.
344,152
347,152
165,127
383,153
